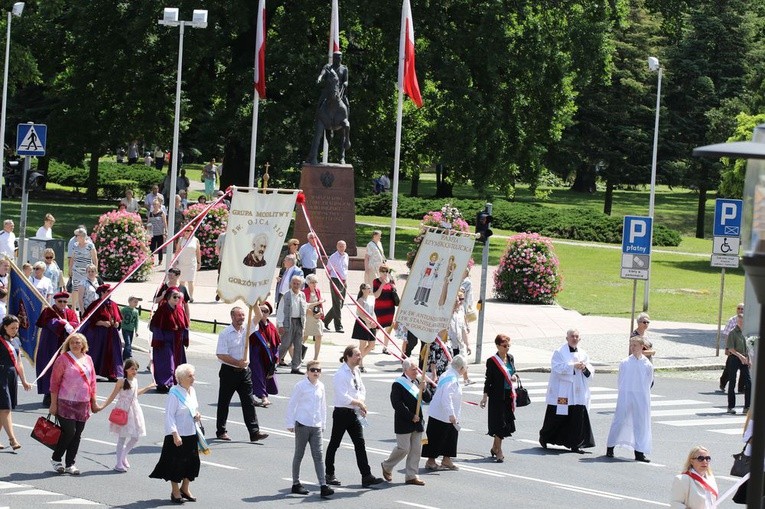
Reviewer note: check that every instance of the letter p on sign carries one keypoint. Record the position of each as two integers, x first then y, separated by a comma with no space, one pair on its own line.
638,228
728,212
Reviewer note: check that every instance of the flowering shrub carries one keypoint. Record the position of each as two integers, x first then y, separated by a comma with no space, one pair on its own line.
120,241
528,271
213,225
448,217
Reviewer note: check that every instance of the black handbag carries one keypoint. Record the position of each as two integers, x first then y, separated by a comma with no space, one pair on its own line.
521,394
740,463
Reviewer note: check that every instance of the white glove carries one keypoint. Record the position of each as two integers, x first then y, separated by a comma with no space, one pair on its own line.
68,328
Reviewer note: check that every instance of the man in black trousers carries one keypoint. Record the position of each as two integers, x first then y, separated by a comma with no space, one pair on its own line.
235,376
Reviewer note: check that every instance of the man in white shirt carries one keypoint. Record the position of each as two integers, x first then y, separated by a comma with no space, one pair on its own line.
149,199
8,240
350,409
309,255
235,376
290,320
307,418
337,267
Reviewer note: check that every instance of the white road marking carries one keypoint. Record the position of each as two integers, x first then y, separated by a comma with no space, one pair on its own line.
707,422
74,501
588,492
219,465
416,505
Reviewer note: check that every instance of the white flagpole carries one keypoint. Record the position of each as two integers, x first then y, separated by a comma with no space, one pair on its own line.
253,146
399,119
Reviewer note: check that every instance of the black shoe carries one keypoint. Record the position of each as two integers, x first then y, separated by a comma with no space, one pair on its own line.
639,456
543,444
334,481
297,372
223,436
326,491
577,450
303,351
258,436
163,389
188,497
217,297
299,489
283,364
340,330
370,480
178,500
609,452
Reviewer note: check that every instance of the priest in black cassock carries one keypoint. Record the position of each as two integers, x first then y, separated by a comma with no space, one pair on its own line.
567,421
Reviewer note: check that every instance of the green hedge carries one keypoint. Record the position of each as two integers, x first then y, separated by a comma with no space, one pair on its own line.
575,224
113,178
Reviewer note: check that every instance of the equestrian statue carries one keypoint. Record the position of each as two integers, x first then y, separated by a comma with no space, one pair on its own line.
334,109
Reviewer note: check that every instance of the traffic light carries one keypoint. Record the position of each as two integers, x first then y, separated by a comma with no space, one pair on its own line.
482,226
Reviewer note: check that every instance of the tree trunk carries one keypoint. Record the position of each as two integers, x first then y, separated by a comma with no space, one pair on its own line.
443,186
701,210
584,182
609,199
414,191
236,165
92,192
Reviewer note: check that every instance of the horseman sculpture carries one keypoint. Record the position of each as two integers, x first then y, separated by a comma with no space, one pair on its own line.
334,110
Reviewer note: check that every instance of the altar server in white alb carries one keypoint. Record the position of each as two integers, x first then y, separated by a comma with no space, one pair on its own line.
631,426
567,421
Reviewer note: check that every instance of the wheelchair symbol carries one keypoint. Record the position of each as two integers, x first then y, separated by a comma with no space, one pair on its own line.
725,247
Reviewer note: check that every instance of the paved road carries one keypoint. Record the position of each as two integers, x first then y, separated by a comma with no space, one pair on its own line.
685,412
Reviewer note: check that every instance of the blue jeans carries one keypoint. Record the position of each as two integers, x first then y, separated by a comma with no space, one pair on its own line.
127,335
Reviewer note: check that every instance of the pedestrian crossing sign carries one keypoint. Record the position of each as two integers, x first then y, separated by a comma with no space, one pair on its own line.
31,139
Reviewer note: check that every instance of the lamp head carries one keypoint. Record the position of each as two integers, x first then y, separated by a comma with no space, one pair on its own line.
653,64
199,18
18,8
169,16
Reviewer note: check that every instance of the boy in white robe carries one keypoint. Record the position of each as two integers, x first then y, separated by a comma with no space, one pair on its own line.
631,426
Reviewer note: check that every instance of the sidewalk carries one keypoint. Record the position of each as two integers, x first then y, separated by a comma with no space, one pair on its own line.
536,331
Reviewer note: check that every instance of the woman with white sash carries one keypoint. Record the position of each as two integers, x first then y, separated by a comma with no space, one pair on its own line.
499,390
443,423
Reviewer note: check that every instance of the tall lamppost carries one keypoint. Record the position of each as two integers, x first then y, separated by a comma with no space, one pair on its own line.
18,8
170,18
653,65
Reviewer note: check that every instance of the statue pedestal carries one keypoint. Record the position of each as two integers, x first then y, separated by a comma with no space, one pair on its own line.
329,199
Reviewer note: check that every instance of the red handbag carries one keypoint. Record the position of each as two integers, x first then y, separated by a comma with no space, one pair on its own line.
118,416
47,431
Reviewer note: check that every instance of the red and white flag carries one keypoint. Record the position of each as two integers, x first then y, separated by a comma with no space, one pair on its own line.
334,30
260,51
407,76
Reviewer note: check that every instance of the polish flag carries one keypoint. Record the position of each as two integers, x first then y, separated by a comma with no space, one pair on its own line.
334,31
407,76
260,51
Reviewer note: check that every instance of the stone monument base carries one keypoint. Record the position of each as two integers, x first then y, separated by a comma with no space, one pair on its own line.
329,200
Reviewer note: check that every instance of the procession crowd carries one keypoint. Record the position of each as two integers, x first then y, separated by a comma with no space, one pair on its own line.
68,362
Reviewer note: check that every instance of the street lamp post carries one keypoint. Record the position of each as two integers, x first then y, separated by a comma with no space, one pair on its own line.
653,65
170,18
18,8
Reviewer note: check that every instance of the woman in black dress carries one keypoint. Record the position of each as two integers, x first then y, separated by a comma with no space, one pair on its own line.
498,390
11,370
179,461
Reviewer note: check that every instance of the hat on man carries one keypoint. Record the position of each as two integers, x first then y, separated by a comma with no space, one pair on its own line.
103,288
61,295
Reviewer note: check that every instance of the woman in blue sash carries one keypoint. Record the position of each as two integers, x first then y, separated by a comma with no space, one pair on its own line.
499,390
443,423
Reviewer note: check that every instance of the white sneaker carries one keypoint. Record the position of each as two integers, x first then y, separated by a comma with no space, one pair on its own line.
120,468
57,466
73,470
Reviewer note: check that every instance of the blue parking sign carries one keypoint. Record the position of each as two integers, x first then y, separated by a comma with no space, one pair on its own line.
728,217
636,235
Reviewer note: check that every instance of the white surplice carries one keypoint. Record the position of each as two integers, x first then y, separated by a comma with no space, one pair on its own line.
568,386
631,426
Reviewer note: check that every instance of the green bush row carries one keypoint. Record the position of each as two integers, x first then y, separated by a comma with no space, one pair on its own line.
574,224
113,178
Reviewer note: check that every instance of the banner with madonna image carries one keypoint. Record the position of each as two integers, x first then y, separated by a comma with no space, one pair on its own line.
27,304
257,225
431,290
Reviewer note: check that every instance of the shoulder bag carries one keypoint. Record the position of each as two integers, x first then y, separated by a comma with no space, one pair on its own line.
741,463
521,394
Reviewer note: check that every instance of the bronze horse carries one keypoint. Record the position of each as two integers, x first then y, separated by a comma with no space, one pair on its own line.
331,115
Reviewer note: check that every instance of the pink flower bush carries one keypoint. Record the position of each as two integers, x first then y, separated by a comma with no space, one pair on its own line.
448,217
213,225
528,271
120,241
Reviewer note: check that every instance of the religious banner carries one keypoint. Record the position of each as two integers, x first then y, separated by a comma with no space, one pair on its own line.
431,289
257,226
26,303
